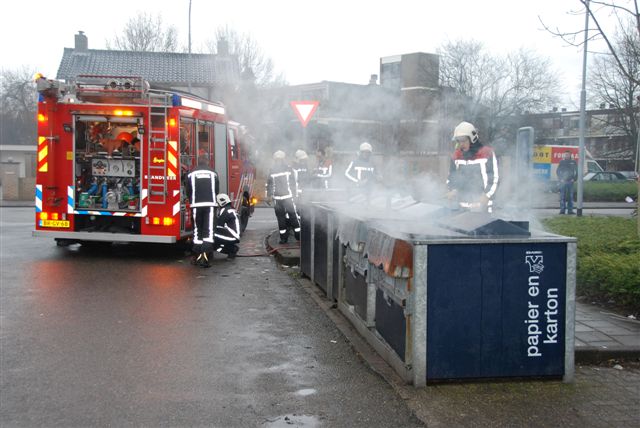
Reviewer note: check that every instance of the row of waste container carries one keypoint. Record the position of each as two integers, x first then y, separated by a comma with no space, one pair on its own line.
446,295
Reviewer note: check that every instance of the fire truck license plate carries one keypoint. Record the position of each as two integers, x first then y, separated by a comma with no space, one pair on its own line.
54,223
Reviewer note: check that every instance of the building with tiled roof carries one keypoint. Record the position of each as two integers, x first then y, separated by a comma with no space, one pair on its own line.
205,74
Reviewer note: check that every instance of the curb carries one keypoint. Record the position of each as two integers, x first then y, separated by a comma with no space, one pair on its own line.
598,355
288,255
17,205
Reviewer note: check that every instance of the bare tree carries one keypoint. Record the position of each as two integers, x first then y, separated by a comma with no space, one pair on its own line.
17,106
248,101
625,12
146,33
494,86
255,66
621,91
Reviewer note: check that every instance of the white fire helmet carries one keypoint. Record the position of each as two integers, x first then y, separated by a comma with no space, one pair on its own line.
279,155
301,155
223,199
465,129
366,147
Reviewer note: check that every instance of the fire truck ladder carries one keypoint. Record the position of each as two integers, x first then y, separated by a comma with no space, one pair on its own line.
158,135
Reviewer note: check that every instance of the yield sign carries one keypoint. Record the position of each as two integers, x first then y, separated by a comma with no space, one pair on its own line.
304,110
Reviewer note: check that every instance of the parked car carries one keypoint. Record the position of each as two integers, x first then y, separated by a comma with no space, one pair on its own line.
631,175
606,176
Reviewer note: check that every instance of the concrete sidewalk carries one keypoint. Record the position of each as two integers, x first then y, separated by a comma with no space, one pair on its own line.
602,335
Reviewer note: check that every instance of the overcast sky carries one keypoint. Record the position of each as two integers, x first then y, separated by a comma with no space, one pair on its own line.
308,41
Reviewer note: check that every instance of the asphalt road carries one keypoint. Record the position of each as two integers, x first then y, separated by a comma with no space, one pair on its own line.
133,335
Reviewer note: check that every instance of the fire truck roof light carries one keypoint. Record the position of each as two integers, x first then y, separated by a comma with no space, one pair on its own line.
215,109
191,103
123,113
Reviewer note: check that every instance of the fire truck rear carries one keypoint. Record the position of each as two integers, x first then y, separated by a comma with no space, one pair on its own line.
113,154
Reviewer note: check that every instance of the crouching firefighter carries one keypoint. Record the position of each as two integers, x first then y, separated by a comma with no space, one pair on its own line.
227,227
202,187
279,188
473,172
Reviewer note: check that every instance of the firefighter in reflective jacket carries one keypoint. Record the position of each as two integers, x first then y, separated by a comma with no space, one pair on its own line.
361,172
280,183
473,172
227,227
324,169
301,172
202,188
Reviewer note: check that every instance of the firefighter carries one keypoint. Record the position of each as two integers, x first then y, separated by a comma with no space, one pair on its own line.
324,169
473,172
279,189
361,172
227,227
202,187
301,172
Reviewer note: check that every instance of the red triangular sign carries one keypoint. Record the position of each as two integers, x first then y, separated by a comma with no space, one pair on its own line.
304,110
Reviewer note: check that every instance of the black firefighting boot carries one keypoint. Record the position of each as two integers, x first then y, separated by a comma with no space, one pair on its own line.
203,260
233,251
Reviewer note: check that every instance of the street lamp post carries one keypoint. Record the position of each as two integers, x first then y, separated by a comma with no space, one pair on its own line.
189,62
637,167
583,112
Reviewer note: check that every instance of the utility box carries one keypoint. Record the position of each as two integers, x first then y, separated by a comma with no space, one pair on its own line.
458,296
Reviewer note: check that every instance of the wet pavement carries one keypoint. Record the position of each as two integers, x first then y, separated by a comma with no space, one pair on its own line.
245,343
133,335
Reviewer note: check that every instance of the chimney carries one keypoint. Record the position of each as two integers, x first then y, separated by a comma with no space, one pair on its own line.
223,47
555,109
82,43
602,106
564,109
373,80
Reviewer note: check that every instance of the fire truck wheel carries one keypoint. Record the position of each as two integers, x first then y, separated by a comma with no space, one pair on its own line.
95,244
183,246
64,242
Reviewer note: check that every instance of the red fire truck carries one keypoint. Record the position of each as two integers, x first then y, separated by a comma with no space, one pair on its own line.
113,154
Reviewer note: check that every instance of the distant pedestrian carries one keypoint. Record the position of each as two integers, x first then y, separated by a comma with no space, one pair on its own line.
227,227
567,173
202,187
